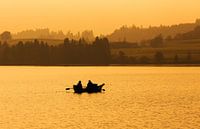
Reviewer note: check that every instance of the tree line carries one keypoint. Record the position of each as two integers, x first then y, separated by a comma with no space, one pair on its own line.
138,34
70,52
79,52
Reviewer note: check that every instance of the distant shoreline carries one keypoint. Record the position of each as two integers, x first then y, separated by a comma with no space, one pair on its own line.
112,65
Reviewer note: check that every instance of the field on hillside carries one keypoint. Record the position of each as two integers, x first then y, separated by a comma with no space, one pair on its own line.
171,48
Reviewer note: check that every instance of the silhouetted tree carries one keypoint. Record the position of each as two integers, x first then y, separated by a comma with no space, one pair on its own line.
5,53
169,37
176,58
159,57
144,60
66,42
157,41
88,36
189,57
122,56
5,36
101,50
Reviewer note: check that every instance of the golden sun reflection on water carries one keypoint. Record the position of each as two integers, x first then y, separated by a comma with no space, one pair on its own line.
135,97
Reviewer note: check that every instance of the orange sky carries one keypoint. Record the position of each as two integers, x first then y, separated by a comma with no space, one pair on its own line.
102,16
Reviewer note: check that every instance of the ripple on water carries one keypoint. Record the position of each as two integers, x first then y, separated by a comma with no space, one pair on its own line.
135,97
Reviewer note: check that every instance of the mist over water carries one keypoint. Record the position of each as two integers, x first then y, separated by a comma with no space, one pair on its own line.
135,97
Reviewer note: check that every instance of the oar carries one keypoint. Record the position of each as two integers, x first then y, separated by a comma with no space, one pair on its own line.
102,84
69,88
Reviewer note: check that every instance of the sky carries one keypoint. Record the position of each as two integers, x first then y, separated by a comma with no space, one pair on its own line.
101,16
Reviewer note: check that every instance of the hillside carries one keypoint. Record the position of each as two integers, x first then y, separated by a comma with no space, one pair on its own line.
137,34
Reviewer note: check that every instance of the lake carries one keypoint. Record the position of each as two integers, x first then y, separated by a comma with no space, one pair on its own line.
135,98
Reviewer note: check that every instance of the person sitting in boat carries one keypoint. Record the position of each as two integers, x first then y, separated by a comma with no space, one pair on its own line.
79,85
91,86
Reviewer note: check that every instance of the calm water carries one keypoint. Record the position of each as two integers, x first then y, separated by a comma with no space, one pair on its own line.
135,97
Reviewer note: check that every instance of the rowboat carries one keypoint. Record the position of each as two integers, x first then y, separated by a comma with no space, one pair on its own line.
95,89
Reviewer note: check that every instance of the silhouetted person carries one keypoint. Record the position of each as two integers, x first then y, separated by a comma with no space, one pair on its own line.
79,85
90,86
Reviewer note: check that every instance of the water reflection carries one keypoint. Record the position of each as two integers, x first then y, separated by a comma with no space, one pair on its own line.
135,97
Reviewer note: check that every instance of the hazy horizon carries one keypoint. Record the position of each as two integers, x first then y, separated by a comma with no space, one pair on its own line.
101,16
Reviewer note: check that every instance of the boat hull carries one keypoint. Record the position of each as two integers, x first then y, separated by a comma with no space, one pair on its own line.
85,90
